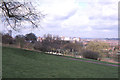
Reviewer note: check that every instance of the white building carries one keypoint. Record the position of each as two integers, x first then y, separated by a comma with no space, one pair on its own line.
65,38
40,39
76,39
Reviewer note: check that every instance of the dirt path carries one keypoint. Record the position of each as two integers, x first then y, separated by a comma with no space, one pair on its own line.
92,62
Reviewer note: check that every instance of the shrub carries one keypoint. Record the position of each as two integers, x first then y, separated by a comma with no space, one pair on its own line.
42,46
37,45
90,54
20,41
7,39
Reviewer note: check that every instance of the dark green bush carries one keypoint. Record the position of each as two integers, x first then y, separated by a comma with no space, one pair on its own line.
90,54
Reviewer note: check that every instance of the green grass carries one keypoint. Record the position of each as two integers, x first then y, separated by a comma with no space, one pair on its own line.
19,63
93,60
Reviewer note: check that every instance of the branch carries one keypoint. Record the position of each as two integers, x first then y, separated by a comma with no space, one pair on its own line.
6,9
13,14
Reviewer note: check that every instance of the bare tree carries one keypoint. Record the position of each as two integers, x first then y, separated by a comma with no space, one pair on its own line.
20,40
16,14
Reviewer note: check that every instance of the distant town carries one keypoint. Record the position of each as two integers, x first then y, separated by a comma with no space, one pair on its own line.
110,41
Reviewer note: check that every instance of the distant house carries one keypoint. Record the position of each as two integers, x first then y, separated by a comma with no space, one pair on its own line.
40,39
112,42
65,38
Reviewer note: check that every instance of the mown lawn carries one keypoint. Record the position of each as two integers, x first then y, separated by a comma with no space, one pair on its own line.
19,63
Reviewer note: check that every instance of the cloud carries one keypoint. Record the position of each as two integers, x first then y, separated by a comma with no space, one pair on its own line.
83,18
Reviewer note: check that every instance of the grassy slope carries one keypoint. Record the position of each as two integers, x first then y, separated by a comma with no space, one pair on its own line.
85,59
18,63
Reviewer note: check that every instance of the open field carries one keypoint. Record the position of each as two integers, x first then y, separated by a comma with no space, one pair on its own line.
19,63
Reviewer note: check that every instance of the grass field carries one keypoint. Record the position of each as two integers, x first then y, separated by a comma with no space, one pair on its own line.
19,63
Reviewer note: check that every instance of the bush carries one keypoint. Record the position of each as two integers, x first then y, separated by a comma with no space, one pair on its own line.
37,45
90,55
7,39
42,46
20,41
116,57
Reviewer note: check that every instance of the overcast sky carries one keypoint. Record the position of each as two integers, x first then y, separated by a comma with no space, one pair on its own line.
78,18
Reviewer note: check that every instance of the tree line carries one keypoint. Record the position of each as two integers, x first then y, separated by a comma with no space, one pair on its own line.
93,50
